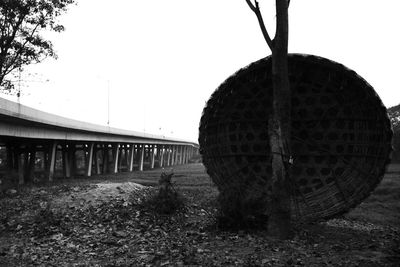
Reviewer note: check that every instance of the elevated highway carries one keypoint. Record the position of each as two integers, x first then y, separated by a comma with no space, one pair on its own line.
35,144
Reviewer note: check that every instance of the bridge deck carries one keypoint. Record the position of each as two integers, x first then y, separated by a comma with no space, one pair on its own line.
21,121
31,139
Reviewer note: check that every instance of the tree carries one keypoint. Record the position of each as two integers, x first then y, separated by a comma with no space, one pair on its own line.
394,115
279,224
21,44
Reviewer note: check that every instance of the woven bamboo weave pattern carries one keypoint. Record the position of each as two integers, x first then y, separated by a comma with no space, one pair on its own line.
341,135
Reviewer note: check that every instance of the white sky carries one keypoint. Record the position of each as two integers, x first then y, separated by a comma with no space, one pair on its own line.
163,59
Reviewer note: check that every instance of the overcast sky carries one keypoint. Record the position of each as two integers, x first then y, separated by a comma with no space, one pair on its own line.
163,59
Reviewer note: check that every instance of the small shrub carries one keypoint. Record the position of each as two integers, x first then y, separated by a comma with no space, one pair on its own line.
166,200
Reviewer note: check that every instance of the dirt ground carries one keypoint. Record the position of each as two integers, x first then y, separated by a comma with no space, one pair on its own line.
103,221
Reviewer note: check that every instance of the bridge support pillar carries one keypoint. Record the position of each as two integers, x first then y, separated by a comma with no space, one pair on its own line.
180,155
169,151
152,156
141,157
30,163
131,157
20,163
172,155
105,158
126,156
115,157
176,155
184,154
161,156
89,160
96,159
120,155
66,161
72,161
51,160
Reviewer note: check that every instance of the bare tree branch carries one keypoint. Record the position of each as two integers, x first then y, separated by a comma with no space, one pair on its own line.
252,7
256,9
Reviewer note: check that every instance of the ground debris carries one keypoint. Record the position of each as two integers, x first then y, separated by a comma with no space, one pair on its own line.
114,228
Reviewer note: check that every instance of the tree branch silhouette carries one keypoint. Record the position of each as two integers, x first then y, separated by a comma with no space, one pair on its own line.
256,9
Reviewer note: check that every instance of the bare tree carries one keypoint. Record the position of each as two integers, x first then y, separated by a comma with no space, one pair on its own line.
279,224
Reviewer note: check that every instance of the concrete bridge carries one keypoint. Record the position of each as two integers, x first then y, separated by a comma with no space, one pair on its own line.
39,145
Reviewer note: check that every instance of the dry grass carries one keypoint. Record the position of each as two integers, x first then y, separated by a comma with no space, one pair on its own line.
367,236
383,205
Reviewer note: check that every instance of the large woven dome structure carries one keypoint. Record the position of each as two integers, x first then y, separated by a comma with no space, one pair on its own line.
340,135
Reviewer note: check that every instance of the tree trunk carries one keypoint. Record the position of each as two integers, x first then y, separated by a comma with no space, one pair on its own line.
279,128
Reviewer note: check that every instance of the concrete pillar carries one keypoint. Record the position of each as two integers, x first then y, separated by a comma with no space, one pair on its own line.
105,158
52,160
141,157
184,152
176,155
131,157
89,161
187,154
126,156
15,155
30,165
169,156
120,157
115,157
66,161
172,155
70,161
181,155
161,156
152,156
96,159
20,157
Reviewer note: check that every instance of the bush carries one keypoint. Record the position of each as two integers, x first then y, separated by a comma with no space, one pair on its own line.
166,200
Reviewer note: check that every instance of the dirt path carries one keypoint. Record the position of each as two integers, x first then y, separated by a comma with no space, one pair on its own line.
95,195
